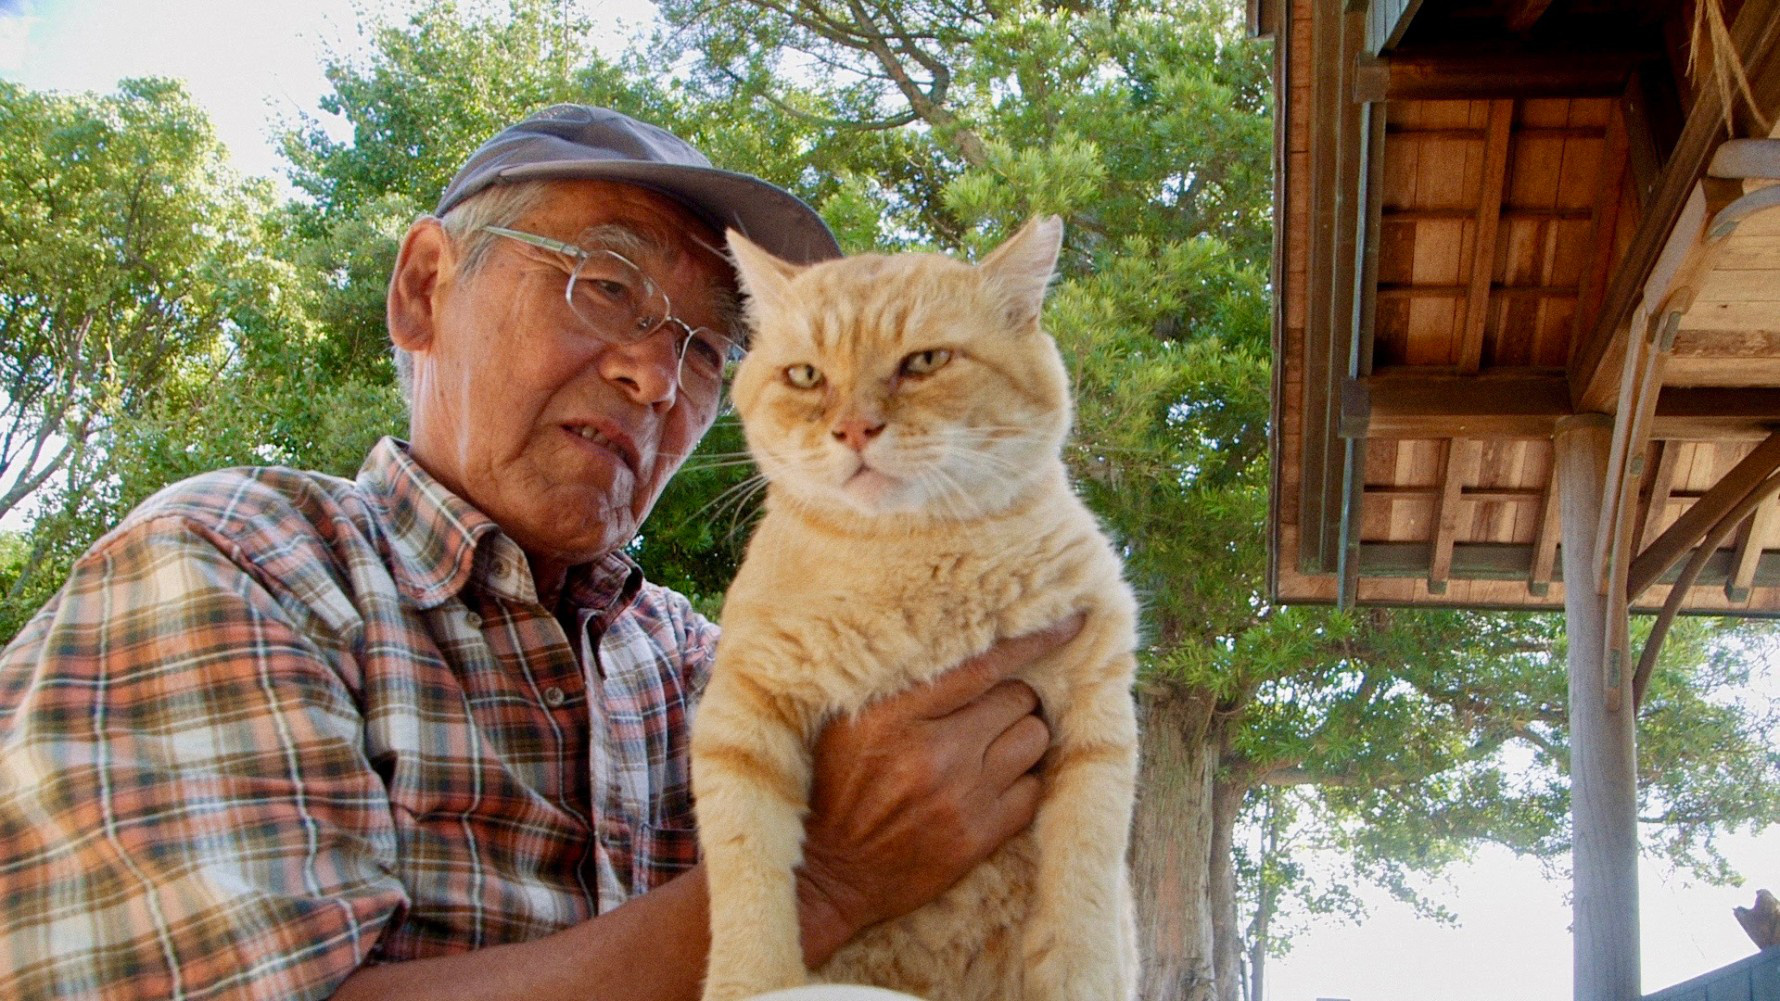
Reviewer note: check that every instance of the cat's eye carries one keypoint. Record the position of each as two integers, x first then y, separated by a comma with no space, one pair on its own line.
923,362
803,376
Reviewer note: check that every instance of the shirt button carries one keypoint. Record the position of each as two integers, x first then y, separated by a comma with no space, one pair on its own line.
503,569
472,620
553,697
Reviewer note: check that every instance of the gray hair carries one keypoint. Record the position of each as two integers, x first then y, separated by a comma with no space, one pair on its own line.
504,205
499,205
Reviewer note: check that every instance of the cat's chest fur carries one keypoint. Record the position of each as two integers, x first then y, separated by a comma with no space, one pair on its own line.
892,610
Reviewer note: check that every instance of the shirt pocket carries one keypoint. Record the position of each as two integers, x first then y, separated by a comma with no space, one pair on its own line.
663,851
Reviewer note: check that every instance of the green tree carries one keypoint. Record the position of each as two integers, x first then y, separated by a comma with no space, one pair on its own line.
121,257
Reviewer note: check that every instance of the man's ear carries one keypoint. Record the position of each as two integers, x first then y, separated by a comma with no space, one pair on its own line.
424,260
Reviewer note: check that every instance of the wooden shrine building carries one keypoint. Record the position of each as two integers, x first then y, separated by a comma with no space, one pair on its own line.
1527,340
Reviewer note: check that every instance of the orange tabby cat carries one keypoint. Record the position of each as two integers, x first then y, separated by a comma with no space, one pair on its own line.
908,413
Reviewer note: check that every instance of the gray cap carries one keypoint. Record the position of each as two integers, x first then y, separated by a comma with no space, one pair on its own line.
580,141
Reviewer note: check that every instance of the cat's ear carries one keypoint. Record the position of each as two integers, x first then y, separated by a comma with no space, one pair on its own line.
1020,270
765,279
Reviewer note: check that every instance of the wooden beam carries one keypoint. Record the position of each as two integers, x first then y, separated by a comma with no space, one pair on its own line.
1462,456
1402,404
1523,14
1386,21
1545,544
1313,520
1477,495
1662,485
1757,532
1667,549
1369,202
1408,406
1482,76
1413,132
1391,290
1639,385
1508,561
1460,213
1754,36
1708,413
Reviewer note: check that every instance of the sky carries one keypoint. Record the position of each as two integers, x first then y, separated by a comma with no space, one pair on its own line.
253,63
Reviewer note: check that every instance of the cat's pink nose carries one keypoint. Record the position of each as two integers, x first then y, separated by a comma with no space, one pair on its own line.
857,432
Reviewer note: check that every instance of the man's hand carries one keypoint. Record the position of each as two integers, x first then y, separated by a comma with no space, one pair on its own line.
910,796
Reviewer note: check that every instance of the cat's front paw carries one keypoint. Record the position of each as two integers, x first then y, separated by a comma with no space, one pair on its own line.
1066,974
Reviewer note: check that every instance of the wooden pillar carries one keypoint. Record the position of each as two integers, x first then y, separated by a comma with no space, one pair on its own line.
1603,762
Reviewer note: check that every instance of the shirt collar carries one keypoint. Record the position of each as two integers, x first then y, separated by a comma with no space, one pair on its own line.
435,537
433,533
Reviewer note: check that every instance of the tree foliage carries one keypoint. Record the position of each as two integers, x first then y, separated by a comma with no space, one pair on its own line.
113,264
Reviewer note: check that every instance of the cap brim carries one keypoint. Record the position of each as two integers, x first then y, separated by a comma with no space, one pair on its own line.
765,213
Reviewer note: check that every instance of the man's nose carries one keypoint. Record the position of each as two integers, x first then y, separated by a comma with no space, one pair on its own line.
648,370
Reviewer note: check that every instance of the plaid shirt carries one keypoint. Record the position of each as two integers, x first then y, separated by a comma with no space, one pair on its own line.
279,724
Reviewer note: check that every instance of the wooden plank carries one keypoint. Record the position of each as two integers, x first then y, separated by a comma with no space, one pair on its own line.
1488,75
1756,33
1744,251
1603,226
1757,533
1667,549
1461,468
1729,345
1752,316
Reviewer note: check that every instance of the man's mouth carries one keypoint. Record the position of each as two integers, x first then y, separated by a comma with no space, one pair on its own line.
617,446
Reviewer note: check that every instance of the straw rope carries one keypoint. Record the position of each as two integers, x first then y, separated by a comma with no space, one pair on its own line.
1712,34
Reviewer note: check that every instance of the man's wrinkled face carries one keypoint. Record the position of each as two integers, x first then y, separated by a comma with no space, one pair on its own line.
563,439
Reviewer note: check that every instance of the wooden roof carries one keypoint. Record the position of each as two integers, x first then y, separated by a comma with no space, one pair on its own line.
1494,214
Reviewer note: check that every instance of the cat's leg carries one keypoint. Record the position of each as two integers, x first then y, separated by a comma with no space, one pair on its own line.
751,775
1080,942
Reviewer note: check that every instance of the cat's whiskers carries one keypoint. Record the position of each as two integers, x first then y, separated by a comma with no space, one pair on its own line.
735,499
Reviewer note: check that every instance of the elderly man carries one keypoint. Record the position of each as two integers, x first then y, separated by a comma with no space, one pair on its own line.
424,733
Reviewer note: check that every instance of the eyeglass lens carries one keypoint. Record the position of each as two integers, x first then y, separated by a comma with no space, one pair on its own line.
620,303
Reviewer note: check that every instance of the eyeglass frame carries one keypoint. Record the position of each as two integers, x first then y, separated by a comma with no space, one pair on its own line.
581,255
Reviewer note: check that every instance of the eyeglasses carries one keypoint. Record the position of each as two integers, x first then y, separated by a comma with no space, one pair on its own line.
622,305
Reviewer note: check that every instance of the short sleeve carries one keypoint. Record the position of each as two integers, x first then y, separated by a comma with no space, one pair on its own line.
185,804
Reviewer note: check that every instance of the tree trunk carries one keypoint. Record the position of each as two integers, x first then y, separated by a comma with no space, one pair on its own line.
1227,793
1172,844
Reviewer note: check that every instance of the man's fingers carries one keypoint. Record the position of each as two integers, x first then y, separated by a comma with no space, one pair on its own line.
1015,752
1017,807
996,710
967,682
